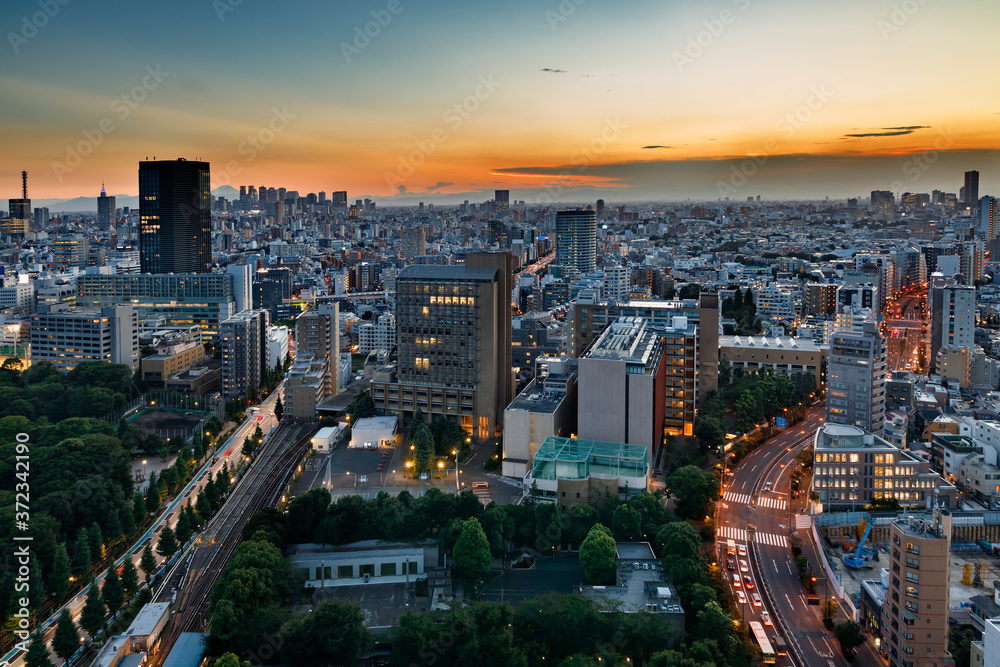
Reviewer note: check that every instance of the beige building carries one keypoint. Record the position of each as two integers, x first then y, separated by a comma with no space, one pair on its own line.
453,332
157,368
781,355
306,386
915,613
317,335
819,299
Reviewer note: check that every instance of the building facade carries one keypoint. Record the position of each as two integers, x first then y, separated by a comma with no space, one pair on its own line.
175,222
856,377
244,352
576,240
67,337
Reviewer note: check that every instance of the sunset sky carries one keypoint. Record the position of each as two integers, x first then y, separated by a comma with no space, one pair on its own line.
562,101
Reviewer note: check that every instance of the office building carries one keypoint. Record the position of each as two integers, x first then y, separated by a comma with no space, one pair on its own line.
616,283
971,188
69,252
989,220
589,317
576,240
41,218
244,352
68,337
856,376
453,327
578,471
338,199
953,317
317,335
883,204
172,358
203,299
277,346
175,224
780,354
622,383
915,624
242,285
501,202
18,220
105,210
377,335
498,234
853,467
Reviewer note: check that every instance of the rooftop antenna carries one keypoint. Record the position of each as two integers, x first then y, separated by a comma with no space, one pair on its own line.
24,185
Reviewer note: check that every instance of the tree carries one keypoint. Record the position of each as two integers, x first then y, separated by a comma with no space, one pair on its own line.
627,523
81,552
112,592
597,555
231,660
96,543
710,433
334,634
147,562
38,653
714,622
423,440
472,550
279,409
130,577
693,490
850,637
93,614
66,641
182,528
152,493
167,545
59,577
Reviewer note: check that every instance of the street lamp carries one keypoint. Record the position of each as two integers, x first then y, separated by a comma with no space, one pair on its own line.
455,454
144,470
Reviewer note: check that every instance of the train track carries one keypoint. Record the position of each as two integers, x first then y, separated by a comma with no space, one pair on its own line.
195,575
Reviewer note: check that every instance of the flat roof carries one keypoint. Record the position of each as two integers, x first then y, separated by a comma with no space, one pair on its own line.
439,272
773,343
632,551
147,618
187,651
377,423
535,399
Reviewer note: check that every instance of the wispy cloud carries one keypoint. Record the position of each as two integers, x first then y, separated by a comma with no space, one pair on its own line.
655,146
550,70
888,131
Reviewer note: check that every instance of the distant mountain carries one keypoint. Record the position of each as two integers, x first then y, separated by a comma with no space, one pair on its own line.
89,204
227,191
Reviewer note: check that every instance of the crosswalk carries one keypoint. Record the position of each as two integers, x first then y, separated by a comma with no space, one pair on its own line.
744,499
739,534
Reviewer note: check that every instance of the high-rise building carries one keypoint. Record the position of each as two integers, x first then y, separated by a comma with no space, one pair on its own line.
68,337
915,630
453,334
244,352
819,299
971,187
616,283
338,199
855,379
41,218
317,335
989,219
883,205
953,317
501,202
414,242
105,210
576,239
499,234
70,251
18,222
600,207
175,231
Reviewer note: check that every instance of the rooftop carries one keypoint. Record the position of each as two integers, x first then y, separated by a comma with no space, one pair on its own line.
187,650
763,342
382,423
534,398
438,272
633,551
145,622
573,458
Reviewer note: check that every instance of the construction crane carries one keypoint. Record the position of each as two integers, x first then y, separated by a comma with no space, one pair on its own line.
862,554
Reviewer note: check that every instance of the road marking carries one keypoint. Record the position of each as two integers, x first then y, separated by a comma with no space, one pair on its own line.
741,498
775,503
775,563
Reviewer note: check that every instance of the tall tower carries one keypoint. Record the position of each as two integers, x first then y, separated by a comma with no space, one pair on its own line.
856,379
971,187
105,210
175,223
501,202
19,222
576,239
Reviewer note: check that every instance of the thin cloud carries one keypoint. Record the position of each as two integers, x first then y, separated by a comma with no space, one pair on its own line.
888,132
649,147
553,71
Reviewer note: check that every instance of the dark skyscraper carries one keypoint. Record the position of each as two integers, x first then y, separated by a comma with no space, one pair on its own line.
576,239
971,187
175,232
105,210
338,199
501,202
19,221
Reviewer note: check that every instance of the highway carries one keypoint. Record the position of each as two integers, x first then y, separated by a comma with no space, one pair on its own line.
904,331
168,516
763,520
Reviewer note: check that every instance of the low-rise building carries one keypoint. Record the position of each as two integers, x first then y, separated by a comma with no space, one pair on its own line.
364,563
373,432
67,337
546,407
571,471
780,354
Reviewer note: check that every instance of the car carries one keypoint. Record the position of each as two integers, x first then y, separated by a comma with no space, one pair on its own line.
736,581
731,549
756,600
767,485
741,597
744,567
765,618
742,549
363,479
748,581
730,564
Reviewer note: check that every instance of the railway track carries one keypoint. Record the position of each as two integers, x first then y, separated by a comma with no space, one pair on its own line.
194,576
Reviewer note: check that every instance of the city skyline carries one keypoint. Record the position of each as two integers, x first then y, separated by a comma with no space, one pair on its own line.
833,101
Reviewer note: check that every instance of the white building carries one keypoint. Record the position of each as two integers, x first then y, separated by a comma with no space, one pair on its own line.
616,282
277,345
774,304
374,432
377,335
70,336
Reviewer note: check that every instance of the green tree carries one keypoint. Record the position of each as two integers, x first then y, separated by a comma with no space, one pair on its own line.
66,641
231,660
334,634
93,614
167,545
96,543
472,550
597,555
81,553
38,653
147,562
61,570
850,637
627,524
714,622
130,577
423,440
113,593
182,529
693,490
152,493
279,409
711,436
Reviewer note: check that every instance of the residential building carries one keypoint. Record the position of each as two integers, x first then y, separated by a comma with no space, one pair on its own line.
317,334
377,335
780,354
414,242
775,304
277,346
453,328
67,337
616,283
856,374
819,299
306,386
244,352
576,239
953,317
69,252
